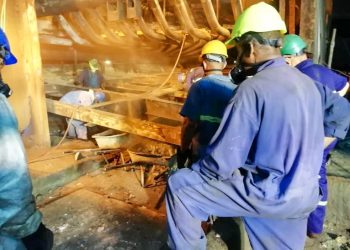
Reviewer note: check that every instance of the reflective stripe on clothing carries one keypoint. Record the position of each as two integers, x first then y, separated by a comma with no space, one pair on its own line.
208,118
322,203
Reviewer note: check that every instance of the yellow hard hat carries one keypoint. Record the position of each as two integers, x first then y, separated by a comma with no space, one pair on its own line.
260,17
94,65
214,47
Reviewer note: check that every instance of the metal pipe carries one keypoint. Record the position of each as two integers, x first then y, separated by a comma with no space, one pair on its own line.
237,8
157,12
331,48
212,19
182,12
147,31
56,7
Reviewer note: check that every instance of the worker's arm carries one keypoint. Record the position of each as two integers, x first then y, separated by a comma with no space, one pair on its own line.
80,78
191,111
336,112
103,81
188,131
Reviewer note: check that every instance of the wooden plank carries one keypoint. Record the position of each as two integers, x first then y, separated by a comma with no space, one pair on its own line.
25,77
291,17
282,8
163,109
140,127
307,22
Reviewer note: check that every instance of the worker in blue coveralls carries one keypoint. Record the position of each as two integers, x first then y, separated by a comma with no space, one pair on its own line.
205,103
81,98
262,164
20,222
91,77
293,51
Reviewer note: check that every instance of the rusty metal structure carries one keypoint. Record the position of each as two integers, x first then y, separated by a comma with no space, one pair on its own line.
129,32
144,26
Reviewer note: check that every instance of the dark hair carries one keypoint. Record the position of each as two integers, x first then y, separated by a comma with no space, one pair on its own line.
270,38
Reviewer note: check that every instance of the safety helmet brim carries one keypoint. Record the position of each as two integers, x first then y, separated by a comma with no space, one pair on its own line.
10,59
260,17
231,41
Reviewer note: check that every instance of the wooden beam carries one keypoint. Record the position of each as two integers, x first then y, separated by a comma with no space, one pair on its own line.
25,77
291,17
282,9
307,22
163,109
140,127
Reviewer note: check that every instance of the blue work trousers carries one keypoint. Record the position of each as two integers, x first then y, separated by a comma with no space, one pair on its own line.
191,198
317,217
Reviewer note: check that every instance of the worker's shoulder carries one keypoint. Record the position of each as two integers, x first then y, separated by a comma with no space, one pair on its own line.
213,80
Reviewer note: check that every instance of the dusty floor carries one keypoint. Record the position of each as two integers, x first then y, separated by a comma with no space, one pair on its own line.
110,210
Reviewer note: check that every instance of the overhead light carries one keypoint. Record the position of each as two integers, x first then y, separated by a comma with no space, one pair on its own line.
108,62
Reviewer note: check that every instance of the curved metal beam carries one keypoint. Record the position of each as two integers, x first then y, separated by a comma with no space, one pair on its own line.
181,9
157,12
212,19
237,8
56,7
148,32
97,23
79,20
70,31
52,40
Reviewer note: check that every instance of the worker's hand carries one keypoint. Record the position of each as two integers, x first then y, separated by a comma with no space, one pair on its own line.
182,157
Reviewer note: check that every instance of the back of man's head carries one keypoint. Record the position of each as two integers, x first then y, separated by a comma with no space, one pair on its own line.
294,49
214,54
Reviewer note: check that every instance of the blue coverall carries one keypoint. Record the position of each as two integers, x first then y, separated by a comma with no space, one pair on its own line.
91,79
18,214
262,164
334,82
205,104
79,98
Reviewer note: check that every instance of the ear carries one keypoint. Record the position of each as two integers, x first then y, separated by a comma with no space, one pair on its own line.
249,53
224,65
204,64
253,50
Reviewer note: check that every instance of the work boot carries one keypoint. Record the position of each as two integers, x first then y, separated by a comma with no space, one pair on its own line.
165,247
42,239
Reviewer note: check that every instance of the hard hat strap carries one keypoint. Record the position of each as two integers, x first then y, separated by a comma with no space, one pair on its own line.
249,36
3,52
214,58
210,70
5,88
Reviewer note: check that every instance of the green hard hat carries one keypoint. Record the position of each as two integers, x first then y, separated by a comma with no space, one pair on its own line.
260,17
292,45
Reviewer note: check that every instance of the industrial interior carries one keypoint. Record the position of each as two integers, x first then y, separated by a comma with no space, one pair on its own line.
107,192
